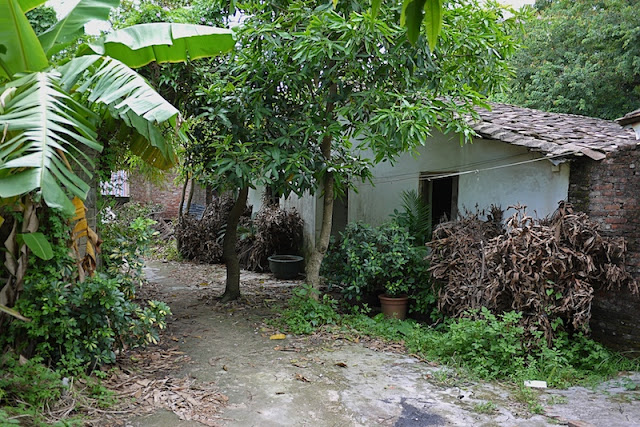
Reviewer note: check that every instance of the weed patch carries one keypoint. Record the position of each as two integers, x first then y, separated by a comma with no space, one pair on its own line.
484,345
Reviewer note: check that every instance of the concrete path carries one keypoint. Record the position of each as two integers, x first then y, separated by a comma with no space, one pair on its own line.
312,381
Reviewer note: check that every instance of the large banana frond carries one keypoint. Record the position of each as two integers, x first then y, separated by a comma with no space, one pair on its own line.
141,44
46,129
20,49
129,98
71,26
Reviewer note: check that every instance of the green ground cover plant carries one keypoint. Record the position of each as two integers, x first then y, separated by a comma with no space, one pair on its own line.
485,346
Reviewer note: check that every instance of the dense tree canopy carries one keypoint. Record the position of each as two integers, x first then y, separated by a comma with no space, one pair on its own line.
315,94
580,57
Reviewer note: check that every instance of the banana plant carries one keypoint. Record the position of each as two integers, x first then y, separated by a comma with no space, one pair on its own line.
50,111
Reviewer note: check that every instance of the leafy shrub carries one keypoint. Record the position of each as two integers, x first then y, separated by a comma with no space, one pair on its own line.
305,314
29,382
415,218
493,347
127,236
77,325
80,325
373,259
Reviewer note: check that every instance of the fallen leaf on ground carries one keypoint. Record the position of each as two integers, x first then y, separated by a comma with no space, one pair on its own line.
341,364
300,377
277,337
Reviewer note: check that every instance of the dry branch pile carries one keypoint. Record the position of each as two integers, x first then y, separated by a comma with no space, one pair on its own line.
276,232
272,231
201,239
545,269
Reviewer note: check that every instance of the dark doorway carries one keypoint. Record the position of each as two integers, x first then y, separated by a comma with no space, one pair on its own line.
441,194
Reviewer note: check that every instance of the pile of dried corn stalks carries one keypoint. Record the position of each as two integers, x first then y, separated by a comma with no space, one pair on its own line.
546,269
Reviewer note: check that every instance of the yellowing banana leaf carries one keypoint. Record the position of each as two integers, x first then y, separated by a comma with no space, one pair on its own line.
87,261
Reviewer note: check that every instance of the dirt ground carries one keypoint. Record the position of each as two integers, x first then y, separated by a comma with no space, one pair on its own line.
218,366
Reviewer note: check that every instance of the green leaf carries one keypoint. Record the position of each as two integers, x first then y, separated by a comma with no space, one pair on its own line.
433,21
130,99
47,129
72,26
411,17
23,52
38,244
141,44
27,5
413,14
375,7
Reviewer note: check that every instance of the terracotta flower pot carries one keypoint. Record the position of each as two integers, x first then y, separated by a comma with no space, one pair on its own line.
394,307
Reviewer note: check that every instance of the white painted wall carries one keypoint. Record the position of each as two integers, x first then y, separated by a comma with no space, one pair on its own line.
307,206
539,185
254,199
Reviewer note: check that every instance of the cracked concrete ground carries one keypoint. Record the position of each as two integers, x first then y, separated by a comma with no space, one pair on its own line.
307,381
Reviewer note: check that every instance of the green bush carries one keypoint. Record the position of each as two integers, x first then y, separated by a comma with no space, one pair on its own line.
492,348
305,314
127,236
80,325
77,325
29,382
370,259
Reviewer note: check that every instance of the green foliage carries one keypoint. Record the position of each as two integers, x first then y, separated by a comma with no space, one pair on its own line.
305,314
492,347
127,235
41,18
373,259
29,389
30,382
487,346
79,326
580,57
416,217
485,408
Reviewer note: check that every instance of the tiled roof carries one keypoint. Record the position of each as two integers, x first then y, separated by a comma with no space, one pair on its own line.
554,134
630,118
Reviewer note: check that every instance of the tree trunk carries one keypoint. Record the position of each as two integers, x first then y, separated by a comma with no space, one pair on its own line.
208,195
229,254
190,198
183,196
321,243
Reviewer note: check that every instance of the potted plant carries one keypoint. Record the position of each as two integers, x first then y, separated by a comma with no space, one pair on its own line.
394,300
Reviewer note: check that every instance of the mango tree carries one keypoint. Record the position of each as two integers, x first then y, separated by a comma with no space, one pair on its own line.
341,83
50,113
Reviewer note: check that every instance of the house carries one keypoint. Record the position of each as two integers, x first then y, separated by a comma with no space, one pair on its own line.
520,156
631,120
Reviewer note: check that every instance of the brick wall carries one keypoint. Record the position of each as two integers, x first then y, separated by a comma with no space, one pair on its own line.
607,191
167,193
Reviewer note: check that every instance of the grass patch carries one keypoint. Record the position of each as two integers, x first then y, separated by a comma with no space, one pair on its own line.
485,346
